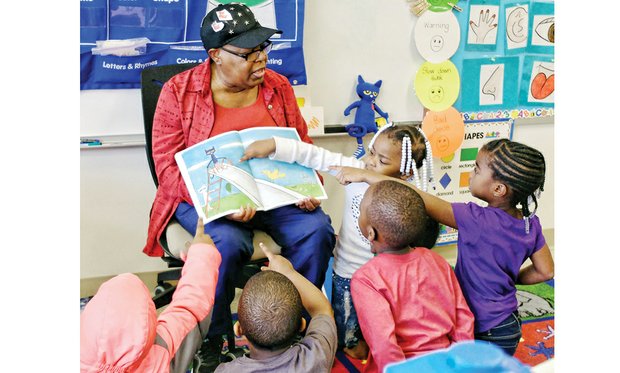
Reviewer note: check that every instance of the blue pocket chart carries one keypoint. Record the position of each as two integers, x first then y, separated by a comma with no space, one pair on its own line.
173,29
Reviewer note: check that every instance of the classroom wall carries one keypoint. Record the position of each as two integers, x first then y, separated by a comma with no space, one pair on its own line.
342,39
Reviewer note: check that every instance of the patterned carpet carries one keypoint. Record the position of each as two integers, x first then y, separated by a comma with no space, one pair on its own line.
536,308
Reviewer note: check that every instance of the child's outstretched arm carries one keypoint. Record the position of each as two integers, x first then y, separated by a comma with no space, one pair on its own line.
436,208
293,151
540,270
185,321
312,298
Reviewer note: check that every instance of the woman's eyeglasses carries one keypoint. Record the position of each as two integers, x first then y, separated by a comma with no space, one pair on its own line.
253,55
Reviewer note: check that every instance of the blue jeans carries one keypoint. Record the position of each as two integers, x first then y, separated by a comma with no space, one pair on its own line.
505,335
307,240
349,332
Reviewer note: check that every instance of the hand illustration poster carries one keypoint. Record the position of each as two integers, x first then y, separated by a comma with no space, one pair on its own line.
482,26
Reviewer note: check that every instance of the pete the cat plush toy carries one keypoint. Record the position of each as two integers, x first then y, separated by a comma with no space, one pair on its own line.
364,121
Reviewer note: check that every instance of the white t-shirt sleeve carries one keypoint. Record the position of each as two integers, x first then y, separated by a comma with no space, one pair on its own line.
312,156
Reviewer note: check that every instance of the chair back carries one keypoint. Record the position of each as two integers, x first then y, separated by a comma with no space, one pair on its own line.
152,81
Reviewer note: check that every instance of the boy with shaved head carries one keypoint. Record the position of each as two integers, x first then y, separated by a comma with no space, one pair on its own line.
408,299
270,316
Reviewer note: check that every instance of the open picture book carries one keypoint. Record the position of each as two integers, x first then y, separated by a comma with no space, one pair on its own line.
220,184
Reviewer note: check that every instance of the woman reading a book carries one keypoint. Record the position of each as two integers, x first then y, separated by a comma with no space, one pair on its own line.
232,90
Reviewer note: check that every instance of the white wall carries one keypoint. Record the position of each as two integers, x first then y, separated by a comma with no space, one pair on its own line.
116,186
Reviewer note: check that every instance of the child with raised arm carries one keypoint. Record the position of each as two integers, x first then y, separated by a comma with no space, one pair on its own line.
399,151
121,332
494,241
408,299
270,316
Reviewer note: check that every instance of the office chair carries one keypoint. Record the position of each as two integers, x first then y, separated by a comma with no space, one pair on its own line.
174,236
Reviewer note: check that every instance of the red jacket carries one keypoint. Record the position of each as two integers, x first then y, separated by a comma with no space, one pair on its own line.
184,117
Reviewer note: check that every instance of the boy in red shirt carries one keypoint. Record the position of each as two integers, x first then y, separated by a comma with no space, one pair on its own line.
408,299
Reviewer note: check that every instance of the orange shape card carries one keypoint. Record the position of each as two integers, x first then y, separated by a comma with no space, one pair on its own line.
445,131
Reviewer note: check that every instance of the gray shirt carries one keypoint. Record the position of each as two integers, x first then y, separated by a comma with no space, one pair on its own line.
314,353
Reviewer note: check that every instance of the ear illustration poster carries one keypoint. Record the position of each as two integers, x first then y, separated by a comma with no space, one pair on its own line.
517,27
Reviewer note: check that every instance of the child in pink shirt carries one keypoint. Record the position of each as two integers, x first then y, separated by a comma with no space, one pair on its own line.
407,297
121,332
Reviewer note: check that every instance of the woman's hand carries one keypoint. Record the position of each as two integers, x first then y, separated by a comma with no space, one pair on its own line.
308,204
245,214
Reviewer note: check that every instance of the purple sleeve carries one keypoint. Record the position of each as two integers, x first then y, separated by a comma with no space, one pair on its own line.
468,217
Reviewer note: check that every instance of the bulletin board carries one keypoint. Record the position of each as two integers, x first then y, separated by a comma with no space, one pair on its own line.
172,28
505,58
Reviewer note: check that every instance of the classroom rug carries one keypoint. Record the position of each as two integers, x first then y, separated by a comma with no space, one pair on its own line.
537,311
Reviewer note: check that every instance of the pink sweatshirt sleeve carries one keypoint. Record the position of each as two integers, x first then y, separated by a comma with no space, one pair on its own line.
376,322
193,299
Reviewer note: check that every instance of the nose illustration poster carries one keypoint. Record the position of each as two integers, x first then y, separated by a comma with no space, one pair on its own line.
437,85
437,36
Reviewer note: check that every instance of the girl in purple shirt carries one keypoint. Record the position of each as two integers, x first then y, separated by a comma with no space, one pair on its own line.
494,241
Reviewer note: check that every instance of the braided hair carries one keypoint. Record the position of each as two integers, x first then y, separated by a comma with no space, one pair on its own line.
416,151
522,169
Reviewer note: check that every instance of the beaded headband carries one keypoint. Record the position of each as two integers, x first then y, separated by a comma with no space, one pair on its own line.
407,163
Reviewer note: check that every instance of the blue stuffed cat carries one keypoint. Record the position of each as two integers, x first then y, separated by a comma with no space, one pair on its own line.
364,121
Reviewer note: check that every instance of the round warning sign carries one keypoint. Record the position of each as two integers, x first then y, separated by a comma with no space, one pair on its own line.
437,85
437,36
445,131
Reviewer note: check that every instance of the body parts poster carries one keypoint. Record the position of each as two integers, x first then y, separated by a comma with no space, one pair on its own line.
173,32
452,171
505,59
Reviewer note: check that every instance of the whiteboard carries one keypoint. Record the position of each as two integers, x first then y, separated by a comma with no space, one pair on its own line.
371,38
